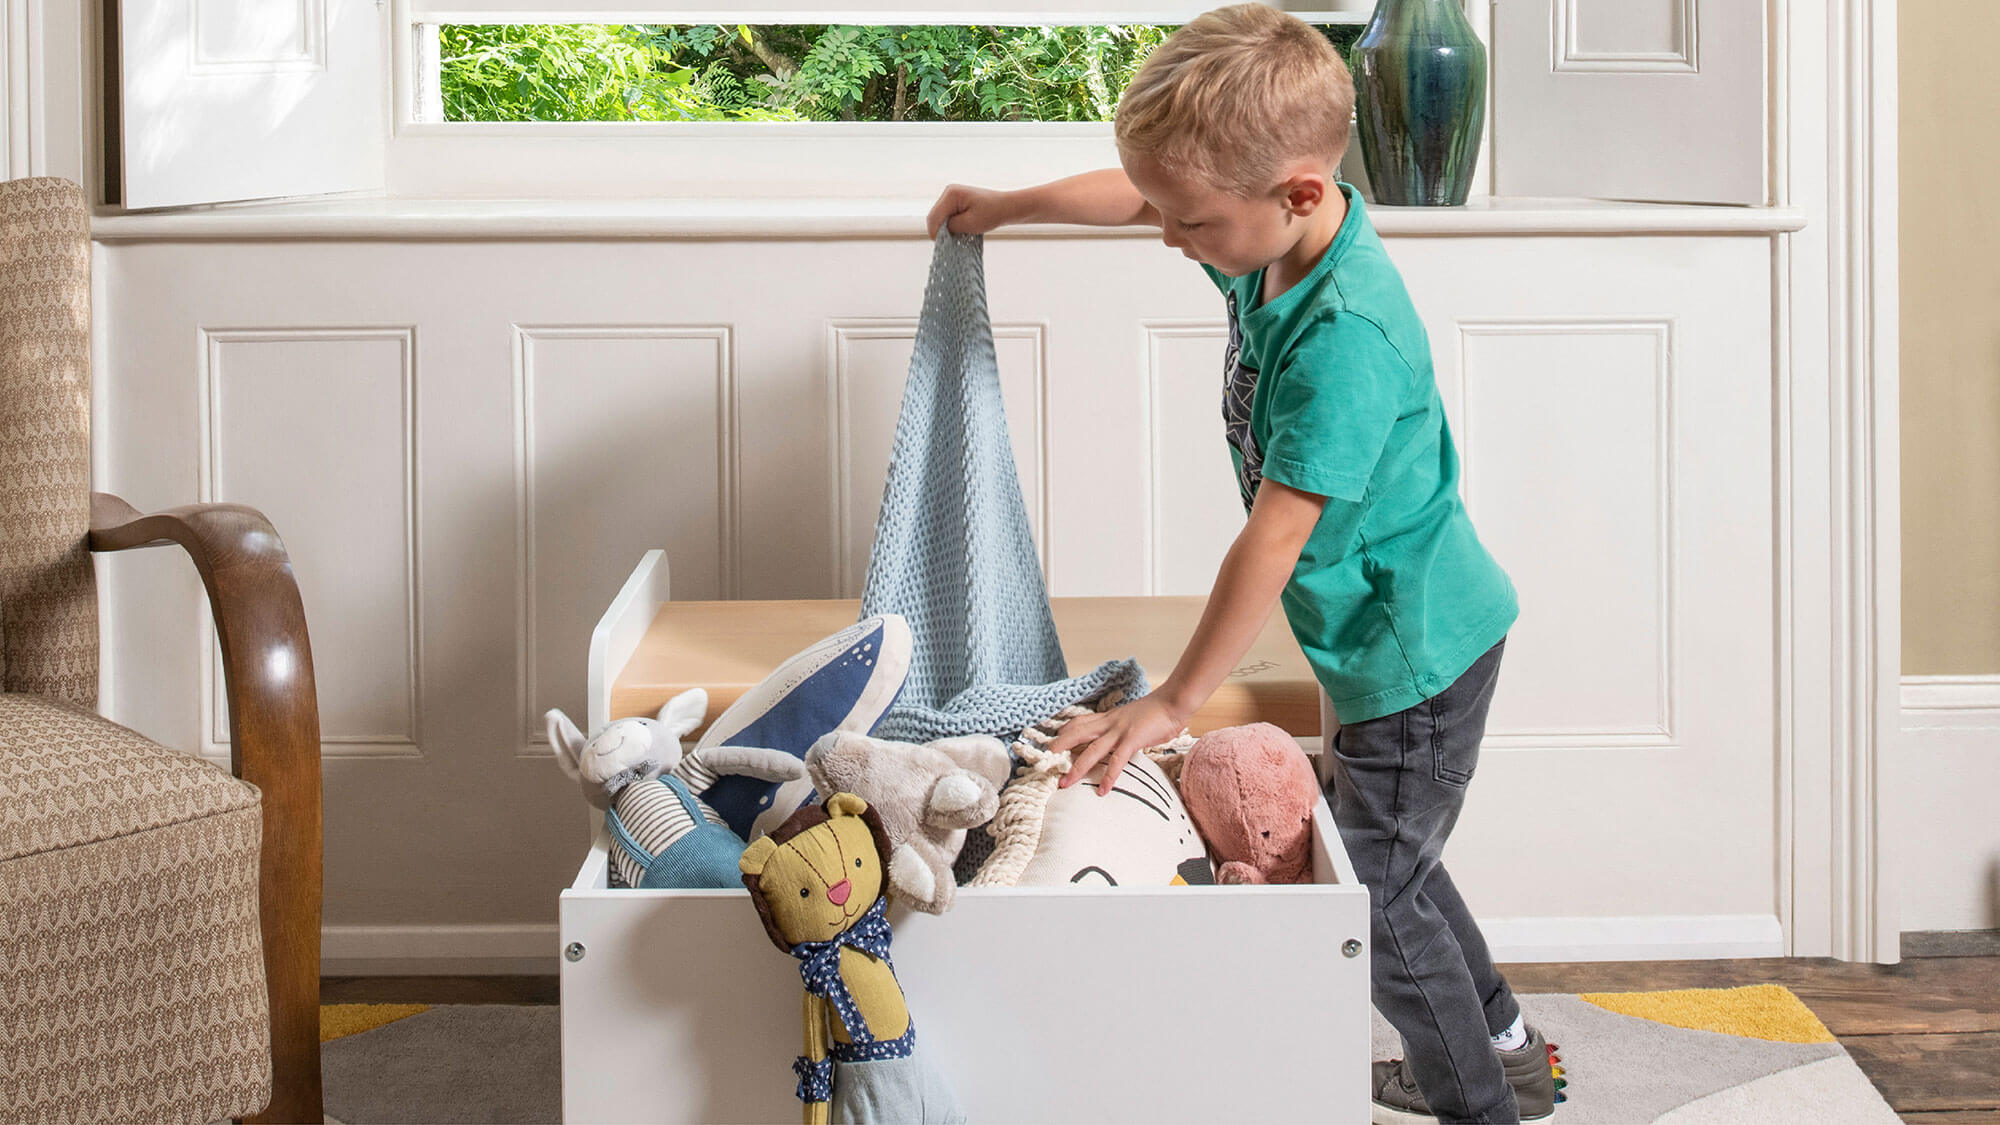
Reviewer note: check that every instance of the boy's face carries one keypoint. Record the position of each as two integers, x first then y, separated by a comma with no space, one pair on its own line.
1231,233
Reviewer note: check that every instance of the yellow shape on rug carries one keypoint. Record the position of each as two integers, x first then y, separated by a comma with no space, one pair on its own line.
1758,1011
336,1020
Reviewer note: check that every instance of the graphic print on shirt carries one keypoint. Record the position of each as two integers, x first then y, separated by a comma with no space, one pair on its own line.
1239,387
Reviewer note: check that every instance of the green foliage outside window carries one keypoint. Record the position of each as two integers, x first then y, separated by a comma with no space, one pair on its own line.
652,72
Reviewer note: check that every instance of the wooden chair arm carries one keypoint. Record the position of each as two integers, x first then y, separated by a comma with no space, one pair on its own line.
273,744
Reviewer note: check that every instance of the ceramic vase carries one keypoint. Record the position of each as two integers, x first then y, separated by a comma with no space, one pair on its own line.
1420,101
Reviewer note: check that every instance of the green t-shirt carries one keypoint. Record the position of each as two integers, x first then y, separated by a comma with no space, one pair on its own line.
1393,596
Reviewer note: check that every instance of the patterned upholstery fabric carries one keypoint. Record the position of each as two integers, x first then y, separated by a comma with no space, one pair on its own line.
48,602
131,966
131,957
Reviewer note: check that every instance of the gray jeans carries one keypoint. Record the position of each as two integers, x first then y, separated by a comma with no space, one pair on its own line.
1396,786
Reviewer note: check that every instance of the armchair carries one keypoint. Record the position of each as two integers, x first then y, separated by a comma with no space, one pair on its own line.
159,919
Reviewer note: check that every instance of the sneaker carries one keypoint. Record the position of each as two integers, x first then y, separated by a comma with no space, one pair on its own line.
1531,1071
1397,1101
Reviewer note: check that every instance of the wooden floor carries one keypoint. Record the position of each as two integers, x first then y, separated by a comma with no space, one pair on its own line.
1927,1031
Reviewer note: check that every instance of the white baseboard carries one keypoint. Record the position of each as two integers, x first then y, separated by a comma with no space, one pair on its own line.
1951,702
1638,937
469,950
1948,768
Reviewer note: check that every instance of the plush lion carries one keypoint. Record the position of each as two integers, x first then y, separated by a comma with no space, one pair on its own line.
817,882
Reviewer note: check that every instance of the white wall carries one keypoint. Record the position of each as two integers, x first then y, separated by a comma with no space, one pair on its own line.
468,444
1951,470
385,879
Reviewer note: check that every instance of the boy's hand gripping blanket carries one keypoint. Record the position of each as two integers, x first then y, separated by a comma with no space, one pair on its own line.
952,550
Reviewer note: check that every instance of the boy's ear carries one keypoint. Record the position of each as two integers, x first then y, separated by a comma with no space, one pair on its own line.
1307,190
757,855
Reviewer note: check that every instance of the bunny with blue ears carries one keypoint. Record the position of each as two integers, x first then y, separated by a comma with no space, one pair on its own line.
635,771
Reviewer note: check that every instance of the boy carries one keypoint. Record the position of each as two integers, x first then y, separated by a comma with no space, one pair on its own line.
1229,137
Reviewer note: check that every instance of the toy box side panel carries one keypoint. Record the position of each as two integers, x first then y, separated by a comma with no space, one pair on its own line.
679,1010
1191,1004
1183,1004
1043,1004
619,631
1329,856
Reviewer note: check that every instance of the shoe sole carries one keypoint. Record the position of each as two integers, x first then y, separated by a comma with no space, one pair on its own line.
1389,1115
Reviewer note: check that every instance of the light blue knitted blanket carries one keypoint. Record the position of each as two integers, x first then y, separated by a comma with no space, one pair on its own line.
953,553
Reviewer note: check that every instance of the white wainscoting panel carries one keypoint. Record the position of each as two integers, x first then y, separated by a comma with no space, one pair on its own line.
1616,421
257,36
1569,428
626,442
464,494
1193,508
1620,35
316,428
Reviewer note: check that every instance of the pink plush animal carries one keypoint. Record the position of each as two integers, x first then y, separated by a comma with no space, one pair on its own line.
1251,792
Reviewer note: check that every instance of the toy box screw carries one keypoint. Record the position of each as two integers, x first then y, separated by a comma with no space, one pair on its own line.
1351,947
575,951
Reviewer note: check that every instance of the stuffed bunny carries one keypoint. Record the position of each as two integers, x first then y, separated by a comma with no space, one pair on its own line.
927,796
635,771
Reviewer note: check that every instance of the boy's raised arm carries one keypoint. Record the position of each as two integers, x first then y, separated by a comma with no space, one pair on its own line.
1103,198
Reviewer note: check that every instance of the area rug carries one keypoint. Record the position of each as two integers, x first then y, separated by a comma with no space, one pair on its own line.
441,1064
1699,1056
1690,1057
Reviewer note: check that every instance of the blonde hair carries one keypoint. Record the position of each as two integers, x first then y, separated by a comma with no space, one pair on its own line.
1234,96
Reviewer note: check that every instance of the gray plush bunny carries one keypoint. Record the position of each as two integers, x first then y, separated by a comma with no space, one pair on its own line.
927,796
634,769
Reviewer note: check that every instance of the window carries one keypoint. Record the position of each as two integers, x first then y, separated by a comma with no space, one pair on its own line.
555,98
789,72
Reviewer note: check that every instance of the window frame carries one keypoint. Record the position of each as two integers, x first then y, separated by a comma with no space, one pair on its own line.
833,159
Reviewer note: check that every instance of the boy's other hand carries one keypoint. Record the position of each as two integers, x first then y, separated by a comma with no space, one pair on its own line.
1114,736
968,210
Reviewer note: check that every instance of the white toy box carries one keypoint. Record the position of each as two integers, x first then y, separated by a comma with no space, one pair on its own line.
1237,1003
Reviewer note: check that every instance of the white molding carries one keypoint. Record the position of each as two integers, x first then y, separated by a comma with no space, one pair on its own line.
1029,13
881,216
1834,144
1777,174
466,950
1663,331
1574,59
840,330
1951,702
215,740
311,54
1869,295
729,501
13,50
1639,937
21,46
1152,331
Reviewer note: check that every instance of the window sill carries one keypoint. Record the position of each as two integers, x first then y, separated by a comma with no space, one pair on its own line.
365,218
